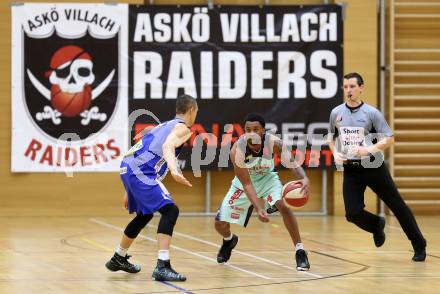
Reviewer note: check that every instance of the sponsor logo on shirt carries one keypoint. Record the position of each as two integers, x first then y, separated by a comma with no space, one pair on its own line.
235,196
235,215
351,138
123,170
269,198
237,208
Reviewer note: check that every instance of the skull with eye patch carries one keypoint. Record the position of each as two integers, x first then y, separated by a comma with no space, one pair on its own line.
71,76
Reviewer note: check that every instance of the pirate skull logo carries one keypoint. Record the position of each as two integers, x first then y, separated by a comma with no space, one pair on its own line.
71,94
71,83
71,76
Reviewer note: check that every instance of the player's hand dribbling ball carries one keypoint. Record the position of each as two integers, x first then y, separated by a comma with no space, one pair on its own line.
292,195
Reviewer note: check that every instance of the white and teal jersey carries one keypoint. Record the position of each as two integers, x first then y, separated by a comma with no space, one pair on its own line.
259,164
236,207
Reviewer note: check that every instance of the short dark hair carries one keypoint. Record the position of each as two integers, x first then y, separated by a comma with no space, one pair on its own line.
253,116
184,103
358,77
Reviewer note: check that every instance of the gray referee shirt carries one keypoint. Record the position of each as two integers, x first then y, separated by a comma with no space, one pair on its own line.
357,126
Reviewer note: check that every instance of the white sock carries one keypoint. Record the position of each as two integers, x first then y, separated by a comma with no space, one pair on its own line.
164,255
121,251
299,246
228,238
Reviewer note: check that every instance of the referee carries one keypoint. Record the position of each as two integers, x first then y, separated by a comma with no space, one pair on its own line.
353,126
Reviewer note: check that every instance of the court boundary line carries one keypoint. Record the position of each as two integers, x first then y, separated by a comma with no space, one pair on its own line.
268,284
187,236
340,258
431,255
182,249
363,268
177,287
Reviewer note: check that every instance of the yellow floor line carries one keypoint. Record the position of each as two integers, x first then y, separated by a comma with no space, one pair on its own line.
97,245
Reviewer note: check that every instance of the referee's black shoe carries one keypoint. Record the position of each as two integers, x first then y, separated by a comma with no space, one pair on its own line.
118,262
379,235
419,252
302,262
225,251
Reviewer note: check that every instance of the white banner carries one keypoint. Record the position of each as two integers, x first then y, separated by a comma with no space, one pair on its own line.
69,111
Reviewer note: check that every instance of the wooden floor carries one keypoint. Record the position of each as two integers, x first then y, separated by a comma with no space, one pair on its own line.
67,255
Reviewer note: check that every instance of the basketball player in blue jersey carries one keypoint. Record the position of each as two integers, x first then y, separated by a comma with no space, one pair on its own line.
142,170
252,158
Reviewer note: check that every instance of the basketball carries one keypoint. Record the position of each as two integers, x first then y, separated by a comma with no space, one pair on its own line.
292,195
71,104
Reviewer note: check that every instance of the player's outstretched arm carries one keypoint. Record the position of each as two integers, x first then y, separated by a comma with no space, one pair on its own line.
179,135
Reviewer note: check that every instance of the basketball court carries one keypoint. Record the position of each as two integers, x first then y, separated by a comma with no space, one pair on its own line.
60,214
67,255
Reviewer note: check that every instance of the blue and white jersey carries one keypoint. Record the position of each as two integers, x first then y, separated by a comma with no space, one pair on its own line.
145,158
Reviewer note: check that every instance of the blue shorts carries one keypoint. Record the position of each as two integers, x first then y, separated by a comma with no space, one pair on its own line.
143,198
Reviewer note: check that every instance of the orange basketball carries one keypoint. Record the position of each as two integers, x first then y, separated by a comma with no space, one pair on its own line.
292,195
71,104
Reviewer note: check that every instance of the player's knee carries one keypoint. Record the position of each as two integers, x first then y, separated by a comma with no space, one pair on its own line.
282,208
174,210
220,225
137,224
170,213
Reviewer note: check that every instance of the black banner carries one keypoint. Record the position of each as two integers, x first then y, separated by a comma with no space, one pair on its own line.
285,62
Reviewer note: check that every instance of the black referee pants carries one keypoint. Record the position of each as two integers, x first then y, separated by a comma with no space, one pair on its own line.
356,180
